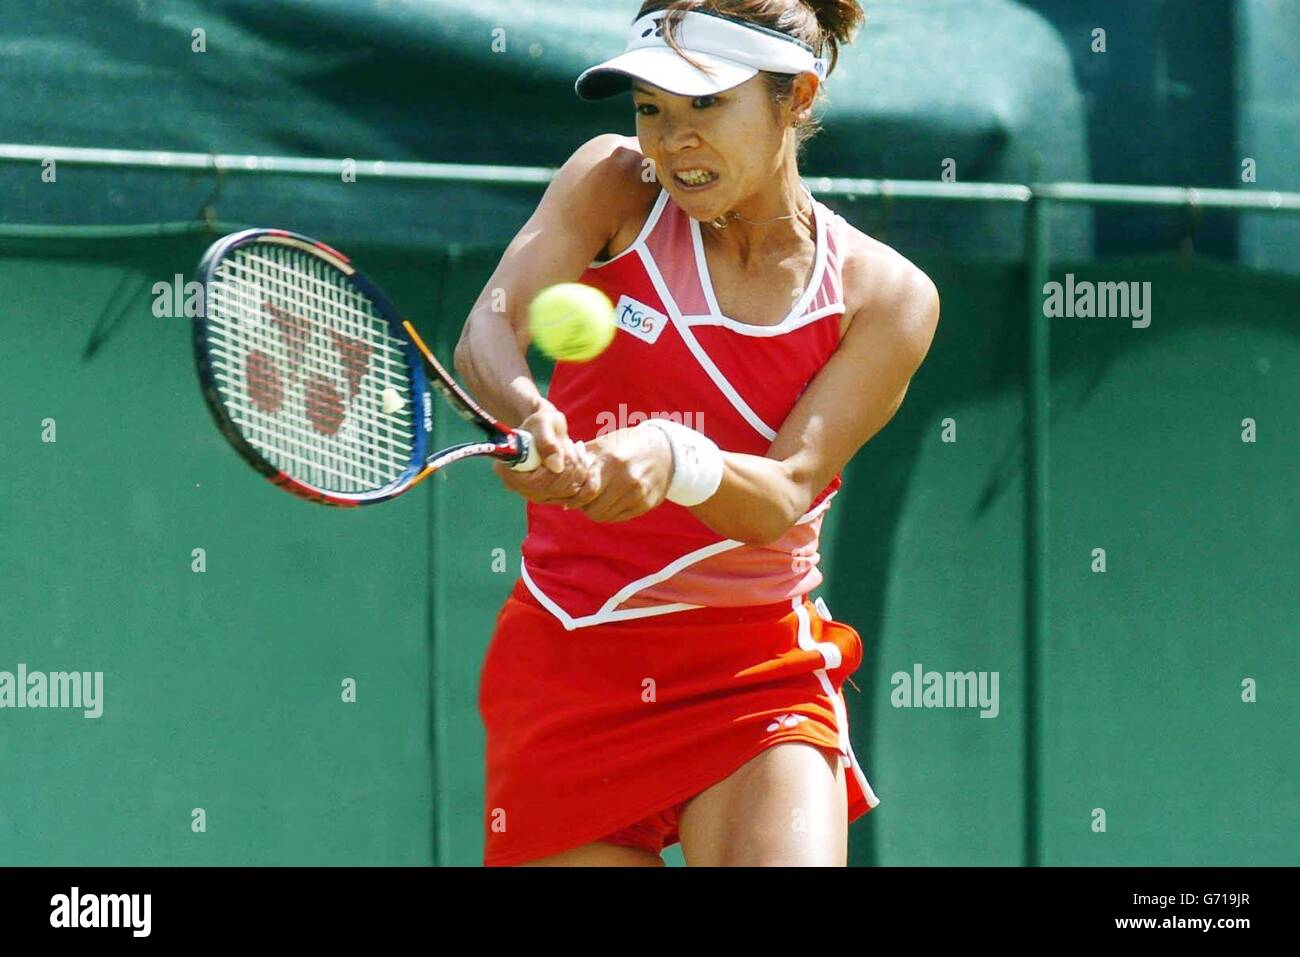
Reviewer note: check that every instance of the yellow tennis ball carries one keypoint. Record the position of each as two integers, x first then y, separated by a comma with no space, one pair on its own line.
571,321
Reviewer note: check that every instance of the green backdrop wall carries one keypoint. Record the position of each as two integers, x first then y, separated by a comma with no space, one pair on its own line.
223,688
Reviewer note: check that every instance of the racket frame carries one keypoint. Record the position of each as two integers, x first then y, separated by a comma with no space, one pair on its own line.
502,443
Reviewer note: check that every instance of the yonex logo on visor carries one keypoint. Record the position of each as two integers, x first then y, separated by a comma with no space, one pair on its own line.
729,51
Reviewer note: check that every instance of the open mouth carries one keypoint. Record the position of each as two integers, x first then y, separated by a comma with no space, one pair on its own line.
694,178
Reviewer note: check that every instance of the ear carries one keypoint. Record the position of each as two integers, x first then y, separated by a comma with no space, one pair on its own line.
803,94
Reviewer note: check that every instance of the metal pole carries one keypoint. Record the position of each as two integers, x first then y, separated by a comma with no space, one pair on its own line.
286,165
1037,411
1100,194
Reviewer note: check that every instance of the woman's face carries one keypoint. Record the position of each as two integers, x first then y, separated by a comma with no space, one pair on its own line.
711,152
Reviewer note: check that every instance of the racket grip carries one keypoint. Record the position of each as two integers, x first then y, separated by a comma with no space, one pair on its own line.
528,457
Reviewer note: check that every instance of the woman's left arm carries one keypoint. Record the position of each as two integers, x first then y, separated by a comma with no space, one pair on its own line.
851,398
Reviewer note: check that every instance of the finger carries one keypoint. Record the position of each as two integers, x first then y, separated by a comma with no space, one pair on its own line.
540,486
554,447
570,479
583,465
590,488
564,459
554,486
580,462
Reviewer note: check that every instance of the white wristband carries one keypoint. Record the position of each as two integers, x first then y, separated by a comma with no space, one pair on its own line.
697,463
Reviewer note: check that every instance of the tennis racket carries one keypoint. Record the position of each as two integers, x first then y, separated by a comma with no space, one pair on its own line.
316,380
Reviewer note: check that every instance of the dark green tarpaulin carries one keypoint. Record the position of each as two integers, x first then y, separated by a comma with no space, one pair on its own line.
984,84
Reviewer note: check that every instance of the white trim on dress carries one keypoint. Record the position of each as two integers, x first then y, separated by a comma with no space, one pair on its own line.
702,357
794,318
610,611
749,329
831,656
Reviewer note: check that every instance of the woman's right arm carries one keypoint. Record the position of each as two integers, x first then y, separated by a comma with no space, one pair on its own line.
587,203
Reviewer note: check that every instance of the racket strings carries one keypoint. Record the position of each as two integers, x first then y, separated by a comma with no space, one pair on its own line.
318,368
302,360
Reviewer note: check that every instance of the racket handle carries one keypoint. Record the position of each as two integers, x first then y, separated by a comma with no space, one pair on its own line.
528,458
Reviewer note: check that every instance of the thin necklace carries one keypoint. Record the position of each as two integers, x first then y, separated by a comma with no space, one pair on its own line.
722,222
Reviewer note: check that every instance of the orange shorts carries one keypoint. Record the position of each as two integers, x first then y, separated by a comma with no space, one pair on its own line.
604,733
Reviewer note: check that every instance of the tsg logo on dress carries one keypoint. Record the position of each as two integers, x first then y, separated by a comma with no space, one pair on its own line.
638,319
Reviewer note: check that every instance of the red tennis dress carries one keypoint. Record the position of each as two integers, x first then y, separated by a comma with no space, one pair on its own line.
638,663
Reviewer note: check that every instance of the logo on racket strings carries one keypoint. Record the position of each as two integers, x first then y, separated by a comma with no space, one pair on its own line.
328,368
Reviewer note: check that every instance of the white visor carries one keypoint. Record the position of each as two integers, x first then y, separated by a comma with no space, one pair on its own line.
733,52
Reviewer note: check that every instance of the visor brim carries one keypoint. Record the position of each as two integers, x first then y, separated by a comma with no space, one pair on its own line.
664,68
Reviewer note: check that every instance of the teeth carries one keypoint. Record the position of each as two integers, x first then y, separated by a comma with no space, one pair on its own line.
695,177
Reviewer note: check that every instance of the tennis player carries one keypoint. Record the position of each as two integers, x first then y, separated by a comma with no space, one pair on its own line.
659,672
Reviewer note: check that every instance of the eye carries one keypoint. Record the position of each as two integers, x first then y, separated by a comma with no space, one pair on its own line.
704,102
646,109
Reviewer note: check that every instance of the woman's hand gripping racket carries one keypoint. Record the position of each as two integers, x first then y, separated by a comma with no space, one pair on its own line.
316,380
